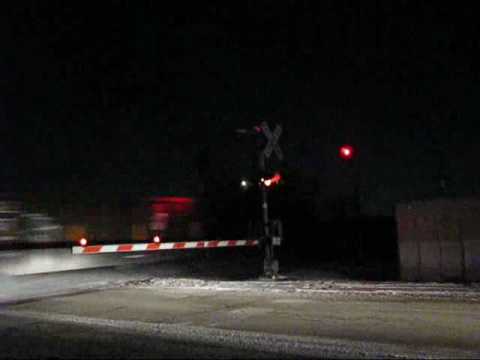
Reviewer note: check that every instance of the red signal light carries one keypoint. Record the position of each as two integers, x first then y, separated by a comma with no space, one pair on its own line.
346,152
273,180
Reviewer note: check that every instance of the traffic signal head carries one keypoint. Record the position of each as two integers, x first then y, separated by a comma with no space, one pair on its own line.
347,152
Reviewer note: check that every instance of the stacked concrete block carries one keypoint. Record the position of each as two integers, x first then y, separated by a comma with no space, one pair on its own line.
470,238
439,240
408,247
452,268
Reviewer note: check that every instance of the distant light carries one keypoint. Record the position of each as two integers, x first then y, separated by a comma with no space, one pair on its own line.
83,242
346,152
156,239
244,184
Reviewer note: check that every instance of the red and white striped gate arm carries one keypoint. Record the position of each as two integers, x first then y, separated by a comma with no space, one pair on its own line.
123,248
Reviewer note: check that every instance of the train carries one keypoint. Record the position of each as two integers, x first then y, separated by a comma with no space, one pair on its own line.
152,219
10,211
218,210
149,219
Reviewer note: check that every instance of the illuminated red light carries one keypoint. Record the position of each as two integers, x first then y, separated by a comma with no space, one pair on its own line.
346,152
172,205
173,199
274,180
83,242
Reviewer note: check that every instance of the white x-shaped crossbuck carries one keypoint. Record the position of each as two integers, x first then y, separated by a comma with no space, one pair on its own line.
272,144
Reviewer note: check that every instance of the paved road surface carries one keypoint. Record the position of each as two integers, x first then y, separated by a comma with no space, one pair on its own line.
163,309
25,262
32,274
176,322
36,338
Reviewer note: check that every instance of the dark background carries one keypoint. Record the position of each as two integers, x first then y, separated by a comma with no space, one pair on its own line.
123,98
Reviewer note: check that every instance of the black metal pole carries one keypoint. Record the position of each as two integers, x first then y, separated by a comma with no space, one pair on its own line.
267,240
265,211
268,246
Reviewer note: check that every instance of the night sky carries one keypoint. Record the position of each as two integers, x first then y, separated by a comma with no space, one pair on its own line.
144,97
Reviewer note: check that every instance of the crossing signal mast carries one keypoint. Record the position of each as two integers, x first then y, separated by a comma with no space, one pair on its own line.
272,229
270,178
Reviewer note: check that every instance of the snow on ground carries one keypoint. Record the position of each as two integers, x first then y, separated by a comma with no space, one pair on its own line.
311,282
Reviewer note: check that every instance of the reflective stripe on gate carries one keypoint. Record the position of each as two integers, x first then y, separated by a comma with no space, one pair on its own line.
97,249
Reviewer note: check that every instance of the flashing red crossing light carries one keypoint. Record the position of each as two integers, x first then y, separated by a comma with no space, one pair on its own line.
273,180
347,152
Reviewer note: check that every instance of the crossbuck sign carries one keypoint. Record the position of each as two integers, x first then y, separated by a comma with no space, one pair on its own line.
272,139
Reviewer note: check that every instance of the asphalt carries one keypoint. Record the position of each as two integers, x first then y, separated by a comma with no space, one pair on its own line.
270,322
48,260
38,338
33,274
216,308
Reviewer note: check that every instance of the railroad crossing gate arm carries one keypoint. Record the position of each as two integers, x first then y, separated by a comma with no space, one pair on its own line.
127,248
